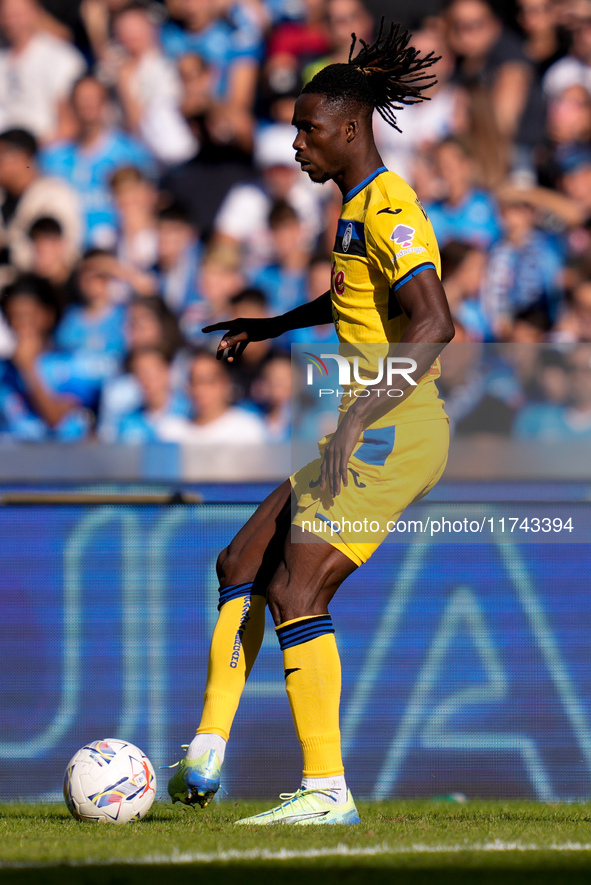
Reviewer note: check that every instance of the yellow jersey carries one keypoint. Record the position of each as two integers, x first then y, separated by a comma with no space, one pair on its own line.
384,238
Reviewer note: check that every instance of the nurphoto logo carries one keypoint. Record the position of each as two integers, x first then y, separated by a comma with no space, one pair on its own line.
349,374
387,368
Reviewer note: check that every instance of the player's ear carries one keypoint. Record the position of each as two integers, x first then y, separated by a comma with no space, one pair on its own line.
351,129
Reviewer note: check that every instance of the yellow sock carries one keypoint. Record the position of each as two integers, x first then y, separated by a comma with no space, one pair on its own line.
313,681
234,646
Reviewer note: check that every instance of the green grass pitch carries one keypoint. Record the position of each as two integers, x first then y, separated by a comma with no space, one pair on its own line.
399,842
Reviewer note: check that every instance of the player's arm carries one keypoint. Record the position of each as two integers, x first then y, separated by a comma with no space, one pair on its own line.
430,328
239,332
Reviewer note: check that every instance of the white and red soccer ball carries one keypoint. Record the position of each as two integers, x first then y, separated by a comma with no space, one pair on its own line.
109,780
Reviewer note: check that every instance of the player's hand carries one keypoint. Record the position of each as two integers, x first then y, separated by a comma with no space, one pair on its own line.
238,333
337,454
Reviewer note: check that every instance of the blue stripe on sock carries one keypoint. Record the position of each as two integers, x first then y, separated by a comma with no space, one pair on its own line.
282,630
234,591
301,640
304,631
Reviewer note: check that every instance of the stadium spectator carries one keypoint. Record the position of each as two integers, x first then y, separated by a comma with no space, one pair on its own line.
135,199
574,322
425,123
544,44
179,256
343,17
575,184
151,369
219,277
460,147
553,421
88,161
492,152
148,86
567,209
37,71
215,421
553,376
568,129
575,68
530,326
317,283
292,44
284,280
290,47
272,393
253,304
149,323
52,261
465,214
230,42
40,398
523,271
96,18
481,394
491,56
223,156
462,269
93,331
28,196
544,41
243,217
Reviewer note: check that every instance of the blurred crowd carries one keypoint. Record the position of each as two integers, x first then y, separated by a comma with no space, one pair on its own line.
148,187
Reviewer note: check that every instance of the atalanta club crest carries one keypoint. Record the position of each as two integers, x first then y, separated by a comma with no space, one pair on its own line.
347,237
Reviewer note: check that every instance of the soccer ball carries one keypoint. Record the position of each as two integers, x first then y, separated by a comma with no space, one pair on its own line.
111,781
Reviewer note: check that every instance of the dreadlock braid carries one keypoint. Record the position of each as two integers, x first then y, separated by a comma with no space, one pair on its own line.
386,75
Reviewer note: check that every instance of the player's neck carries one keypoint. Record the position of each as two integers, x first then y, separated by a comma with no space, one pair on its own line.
358,171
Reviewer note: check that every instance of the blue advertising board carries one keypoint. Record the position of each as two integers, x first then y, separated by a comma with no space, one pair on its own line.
466,664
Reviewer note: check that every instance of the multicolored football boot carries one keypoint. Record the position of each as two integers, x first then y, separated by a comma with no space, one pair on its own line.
306,807
196,781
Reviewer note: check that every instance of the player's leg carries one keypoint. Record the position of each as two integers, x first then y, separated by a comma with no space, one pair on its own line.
244,569
298,596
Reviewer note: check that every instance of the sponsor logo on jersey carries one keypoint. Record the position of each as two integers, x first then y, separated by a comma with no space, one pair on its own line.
347,238
389,211
403,235
413,249
337,280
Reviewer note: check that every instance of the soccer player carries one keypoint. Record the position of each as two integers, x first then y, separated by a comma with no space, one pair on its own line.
385,290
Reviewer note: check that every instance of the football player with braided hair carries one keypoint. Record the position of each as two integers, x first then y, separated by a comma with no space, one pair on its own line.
386,452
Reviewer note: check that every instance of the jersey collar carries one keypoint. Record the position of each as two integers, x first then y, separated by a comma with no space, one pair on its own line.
353,193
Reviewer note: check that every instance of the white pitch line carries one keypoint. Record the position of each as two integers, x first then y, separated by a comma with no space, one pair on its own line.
284,854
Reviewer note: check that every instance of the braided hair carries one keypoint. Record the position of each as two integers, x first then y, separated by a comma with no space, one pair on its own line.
386,75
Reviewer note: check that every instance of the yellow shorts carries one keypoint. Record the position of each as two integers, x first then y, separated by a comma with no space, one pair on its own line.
391,467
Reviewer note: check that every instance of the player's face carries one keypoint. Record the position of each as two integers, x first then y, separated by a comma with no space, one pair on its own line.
321,141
